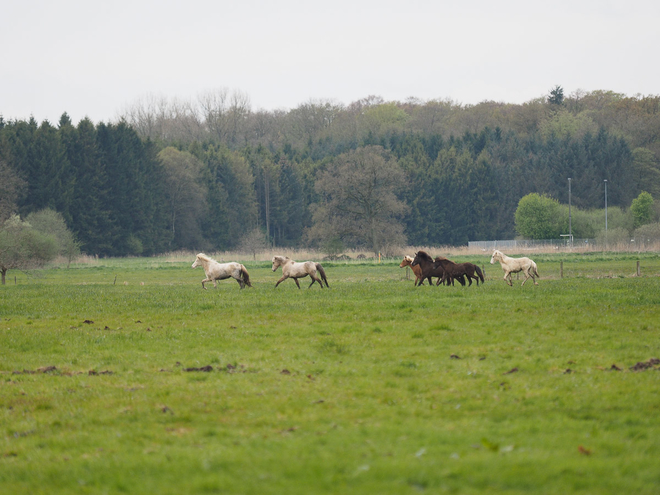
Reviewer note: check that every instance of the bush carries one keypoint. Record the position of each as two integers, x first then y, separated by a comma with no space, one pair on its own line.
648,232
614,236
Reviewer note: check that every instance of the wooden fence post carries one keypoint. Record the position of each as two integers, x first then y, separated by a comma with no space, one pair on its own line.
561,269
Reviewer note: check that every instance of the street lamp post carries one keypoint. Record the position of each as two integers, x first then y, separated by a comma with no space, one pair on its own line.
570,226
605,208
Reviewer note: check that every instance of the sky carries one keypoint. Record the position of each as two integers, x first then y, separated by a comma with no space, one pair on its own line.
96,59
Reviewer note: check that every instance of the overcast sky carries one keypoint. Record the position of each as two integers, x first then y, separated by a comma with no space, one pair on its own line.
90,58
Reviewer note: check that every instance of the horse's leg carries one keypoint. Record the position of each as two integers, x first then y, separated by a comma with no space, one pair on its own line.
296,281
315,279
284,277
205,280
531,274
526,277
240,282
508,280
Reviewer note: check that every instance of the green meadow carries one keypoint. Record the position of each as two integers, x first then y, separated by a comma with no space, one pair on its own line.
124,376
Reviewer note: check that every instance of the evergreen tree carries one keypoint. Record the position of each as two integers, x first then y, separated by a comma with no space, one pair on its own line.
90,218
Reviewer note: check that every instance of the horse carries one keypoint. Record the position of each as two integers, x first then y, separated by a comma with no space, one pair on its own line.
417,270
515,265
454,270
220,271
429,267
294,270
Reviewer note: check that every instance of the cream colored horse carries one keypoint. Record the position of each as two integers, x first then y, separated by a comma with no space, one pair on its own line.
220,271
294,270
515,265
417,270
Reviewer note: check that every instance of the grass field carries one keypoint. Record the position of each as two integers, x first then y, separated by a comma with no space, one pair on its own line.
372,386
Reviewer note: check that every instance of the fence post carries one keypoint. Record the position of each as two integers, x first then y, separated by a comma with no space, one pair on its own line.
561,269
639,273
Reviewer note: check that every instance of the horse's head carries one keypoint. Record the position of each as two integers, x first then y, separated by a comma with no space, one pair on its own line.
200,260
421,256
407,261
497,256
278,261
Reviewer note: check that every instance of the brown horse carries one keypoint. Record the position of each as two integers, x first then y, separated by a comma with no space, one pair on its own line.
417,270
431,268
455,270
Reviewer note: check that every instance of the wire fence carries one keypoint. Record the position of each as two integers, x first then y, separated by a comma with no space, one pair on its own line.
635,244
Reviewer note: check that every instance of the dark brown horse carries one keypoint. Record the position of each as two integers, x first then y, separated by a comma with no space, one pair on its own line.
455,270
430,268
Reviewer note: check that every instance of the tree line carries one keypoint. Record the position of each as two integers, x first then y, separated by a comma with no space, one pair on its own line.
216,175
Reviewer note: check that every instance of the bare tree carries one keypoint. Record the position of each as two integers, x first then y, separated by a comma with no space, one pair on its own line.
12,187
253,242
359,200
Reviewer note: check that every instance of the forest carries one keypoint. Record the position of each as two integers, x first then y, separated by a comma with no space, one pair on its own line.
215,174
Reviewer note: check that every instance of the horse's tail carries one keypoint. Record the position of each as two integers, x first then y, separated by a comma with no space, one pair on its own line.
320,269
536,270
480,273
245,276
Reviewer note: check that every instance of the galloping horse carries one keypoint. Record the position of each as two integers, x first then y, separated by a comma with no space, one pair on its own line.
455,270
515,265
417,270
294,270
430,268
220,271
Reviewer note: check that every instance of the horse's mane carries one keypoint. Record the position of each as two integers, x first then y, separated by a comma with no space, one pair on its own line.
424,255
408,258
281,258
441,258
204,257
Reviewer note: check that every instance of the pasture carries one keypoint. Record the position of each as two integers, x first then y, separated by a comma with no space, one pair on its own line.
371,386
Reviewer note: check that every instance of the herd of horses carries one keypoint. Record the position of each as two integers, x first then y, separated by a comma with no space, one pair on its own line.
424,266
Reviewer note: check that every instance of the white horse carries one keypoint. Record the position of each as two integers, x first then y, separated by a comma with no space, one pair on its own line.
220,271
294,270
515,265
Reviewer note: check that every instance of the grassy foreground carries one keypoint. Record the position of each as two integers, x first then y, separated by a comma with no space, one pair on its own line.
372,386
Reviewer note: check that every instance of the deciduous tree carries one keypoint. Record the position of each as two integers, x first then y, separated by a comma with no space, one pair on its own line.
22,247
642,209
537,217
359,201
